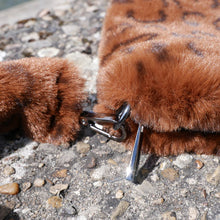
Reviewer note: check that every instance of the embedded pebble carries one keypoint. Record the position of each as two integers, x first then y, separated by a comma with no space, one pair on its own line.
170,174
56,189
91,162
55,202
120,210
145,188
97,184
199,164
48,52
82,148
183,160
154,177
41,165
71,29
204,216
169,216
217,195
10,189
39,182
158,201
193,213
26,186
60,173
2,55
8,171
214,178
112,162
119,194
82,61
100,173
30,37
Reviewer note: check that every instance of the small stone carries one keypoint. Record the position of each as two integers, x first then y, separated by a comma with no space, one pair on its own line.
8,171
158,201
2,55
145,188
191,181
48,52
154,177
60,173
215,177
81,60
99,173
119,194
9,189
91,162
204,216
55,202
120,210
66,157
41,165
82,148
29,37
71,29
169,216
26,186
56,189
183,160
217,195
39,182
28,52
170,174
193,213
112,162
199,164
97,184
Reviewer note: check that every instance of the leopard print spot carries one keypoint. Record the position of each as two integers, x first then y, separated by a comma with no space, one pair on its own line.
162,17
215,4
217,24
130,14
192,18
165,3
160,51
192,47
140,68
148,36
177,3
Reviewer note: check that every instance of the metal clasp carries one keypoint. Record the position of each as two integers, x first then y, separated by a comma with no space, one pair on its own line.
102,123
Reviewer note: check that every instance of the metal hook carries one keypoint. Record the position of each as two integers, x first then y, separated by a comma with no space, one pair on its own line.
135,157
98,121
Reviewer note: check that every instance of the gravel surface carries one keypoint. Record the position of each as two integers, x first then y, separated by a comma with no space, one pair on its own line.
87,180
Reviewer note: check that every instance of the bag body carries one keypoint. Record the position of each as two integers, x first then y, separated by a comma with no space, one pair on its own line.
163,59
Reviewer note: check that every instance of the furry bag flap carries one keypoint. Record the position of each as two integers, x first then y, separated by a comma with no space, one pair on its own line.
41,96
163,58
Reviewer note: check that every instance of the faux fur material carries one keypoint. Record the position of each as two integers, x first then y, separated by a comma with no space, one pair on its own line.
41,96
163,58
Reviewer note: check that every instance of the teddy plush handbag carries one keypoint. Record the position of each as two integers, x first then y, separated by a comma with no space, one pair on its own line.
159,81
162,59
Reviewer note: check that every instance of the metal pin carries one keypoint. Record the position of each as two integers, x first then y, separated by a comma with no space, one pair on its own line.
135,157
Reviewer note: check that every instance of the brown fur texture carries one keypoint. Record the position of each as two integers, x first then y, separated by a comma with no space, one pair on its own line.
163,58
41,96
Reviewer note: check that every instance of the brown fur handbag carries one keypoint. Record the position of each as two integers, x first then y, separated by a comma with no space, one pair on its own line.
163,59
160,57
